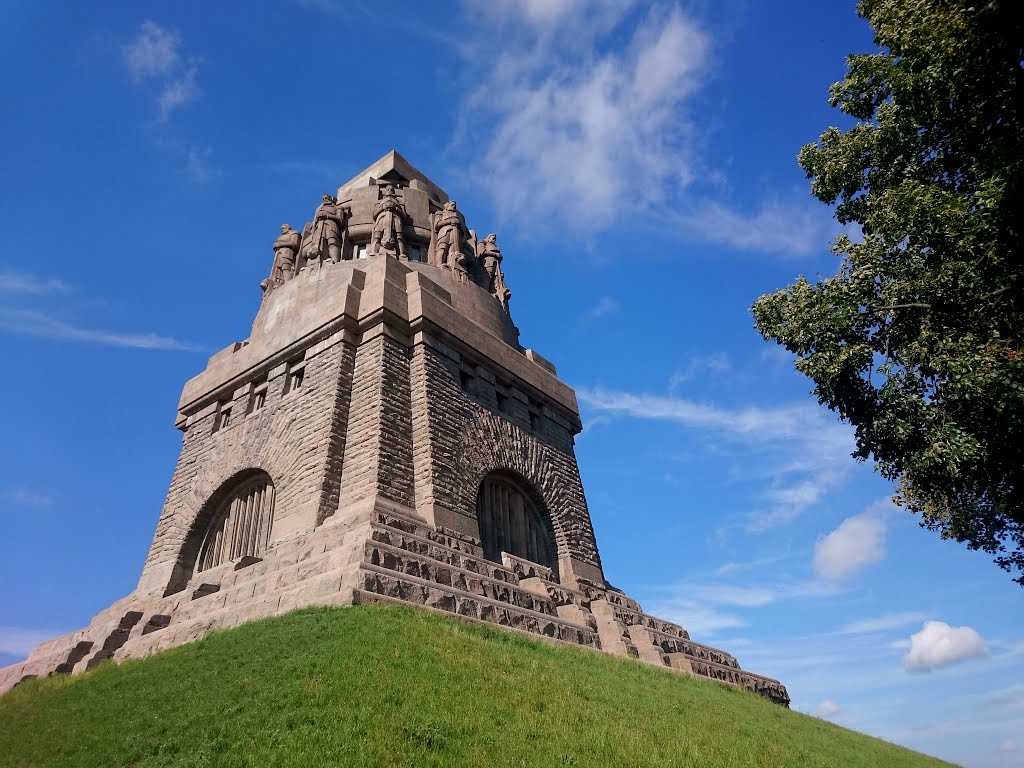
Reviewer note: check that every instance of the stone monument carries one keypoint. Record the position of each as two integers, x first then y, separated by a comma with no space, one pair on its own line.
380,437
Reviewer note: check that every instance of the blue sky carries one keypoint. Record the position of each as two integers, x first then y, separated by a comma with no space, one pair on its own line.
638,164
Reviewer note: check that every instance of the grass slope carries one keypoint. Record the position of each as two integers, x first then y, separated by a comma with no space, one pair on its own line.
373,686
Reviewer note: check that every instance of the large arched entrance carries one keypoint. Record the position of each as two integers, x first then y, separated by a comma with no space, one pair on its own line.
511,522
241,524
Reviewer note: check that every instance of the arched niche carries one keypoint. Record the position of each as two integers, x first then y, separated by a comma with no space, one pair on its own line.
241,524
236,520
512,519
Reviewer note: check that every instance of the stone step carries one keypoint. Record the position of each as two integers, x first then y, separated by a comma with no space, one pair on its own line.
631,617
117,637
416,591
407,563
435,551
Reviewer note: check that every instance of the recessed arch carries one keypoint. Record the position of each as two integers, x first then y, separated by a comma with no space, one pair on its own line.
241,525
513,519
223,512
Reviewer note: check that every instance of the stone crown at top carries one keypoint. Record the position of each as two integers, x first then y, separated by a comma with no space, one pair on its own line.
392,168
390,209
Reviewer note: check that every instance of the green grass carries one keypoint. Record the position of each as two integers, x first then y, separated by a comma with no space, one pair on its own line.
373,686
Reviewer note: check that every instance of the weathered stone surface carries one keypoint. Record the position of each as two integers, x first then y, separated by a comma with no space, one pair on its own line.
340,452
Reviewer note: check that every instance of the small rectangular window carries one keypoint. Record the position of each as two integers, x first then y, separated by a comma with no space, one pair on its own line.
223,416
361,251
502,402
534,421
296,374
465,380
258,398
415,254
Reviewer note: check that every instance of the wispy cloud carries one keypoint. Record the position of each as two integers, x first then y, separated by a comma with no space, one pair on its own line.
19,641
580,133
154,52
12,281
604,307
805,451
794,229
707,608
883,623
827,709
155,56
29,498
697,366
33,323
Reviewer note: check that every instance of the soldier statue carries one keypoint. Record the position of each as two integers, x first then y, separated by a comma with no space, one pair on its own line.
326,240
389,218
447,236
490,257
286,248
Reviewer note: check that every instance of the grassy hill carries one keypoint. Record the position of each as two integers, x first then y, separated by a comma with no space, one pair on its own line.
374,686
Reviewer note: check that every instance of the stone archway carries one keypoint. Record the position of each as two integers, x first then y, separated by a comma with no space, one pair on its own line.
236,520
511,520
241,525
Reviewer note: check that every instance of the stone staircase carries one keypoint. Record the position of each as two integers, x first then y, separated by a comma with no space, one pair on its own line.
388,558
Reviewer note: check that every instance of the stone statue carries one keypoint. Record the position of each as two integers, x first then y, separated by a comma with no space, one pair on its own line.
502,292
490,256
447,236
327,238
286,249
389,217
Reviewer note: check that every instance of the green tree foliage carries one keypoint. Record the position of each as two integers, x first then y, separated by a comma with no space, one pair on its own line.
916,340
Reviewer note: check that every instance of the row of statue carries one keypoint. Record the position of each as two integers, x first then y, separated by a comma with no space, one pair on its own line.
452,246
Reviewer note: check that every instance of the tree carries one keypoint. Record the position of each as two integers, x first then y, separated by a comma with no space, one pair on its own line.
916,340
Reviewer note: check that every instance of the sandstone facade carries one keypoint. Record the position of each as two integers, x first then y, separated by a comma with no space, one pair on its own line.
381,436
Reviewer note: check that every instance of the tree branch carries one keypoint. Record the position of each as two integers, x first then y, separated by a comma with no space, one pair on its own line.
922,305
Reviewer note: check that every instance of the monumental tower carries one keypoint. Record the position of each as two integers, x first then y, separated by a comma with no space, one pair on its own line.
381,436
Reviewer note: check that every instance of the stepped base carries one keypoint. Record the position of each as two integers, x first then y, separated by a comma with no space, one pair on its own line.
385,556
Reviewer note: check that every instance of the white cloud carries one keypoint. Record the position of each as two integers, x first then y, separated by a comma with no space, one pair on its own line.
156,56
754,423
12,281
28,498
155,51
795,229
579,130
605,306
178,92
19,641
802,447
827,709
699,619
198,164
700,366
32,323
881,623
858,542
787,502
705,609
938,645
1008,745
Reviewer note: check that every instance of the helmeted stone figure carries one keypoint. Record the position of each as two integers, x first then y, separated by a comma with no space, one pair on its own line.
326,241
286,249
490,257
448,234
389,217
